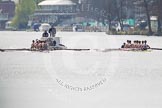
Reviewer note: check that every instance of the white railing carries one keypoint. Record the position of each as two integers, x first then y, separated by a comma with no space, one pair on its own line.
53,12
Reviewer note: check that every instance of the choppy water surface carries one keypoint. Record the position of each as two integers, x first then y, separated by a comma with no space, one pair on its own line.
89,79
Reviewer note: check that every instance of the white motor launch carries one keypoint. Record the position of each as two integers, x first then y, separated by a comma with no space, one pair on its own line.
56,39
53,42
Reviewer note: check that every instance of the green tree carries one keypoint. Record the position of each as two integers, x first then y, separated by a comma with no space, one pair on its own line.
23,10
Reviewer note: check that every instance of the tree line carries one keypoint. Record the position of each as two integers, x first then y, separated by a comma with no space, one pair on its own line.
24,8
102,9
119,10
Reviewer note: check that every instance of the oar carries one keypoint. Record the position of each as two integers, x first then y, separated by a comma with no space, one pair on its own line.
1,50
76,49
107,50
156,48
27,49
20,49
100,50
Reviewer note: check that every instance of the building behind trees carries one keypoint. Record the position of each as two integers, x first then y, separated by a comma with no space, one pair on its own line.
57,12
7,12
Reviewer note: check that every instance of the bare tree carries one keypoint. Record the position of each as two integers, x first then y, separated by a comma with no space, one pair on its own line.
148,17
159,14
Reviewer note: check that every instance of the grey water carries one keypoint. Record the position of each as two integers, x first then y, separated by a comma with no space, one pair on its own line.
82,79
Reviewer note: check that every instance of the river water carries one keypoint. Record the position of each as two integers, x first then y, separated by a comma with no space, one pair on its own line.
79,79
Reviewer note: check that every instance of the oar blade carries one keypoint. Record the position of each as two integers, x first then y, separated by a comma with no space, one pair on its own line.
156,48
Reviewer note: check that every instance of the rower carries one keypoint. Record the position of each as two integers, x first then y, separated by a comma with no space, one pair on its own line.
134,45
37,44
123,46
128,45
33,45
140,45
131,45
145,46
